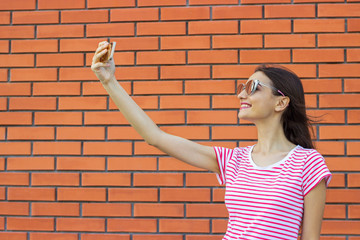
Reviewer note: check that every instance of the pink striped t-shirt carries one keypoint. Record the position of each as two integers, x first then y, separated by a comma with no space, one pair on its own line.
268,202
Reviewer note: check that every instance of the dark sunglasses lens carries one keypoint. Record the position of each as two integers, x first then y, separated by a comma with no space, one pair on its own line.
249,87
239,88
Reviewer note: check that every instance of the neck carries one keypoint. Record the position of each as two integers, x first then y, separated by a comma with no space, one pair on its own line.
271,138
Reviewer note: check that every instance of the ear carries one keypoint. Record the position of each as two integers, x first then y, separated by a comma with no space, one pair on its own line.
282,103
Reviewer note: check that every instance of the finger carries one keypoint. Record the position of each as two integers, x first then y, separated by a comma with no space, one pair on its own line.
102,47
101,43
96,66
97,56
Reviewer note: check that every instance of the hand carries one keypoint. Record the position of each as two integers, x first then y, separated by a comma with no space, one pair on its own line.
103,70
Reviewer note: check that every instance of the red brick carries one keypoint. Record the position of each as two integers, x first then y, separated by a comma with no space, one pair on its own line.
132,225
65,4
184,102
184,225
353,148
319,25
184,72
204,237
38,17
233,71
184,194
60,59
43,89
15,118
265,26
13,235
213,27
339,10
339,70
340,227
318,55
55,179
55,209
151,3
84,16
31,194
210,2
4,48
206,210
56,148
353,24
15,148
4,17
30,163
173,164
185,42
17,60
145,102
76,74
18,5
76,45
106,179
32,103
142,148
339,100
30,224
237,12
3,103
31,133
133,194
213,56
52,236
158,210
80,224
105,236
132,163
58,118
15,89
212,117
134,14
201,180
158,179
14,208
188,132
100,118
353,180
14,179
161,28
228,132
123,133
354,211
185,13
322,85
290,11
107,148
327,116
330,148
264,1
110,3
137,73
339,40
22,46
339,132
106,210
105,30
219,225
334,211
209,86
35,74
81,194
237,41
353,55
160,57
57,31
82,103
258,56
158,237
80,133
136,43
317,1
80,163
14,32
353,116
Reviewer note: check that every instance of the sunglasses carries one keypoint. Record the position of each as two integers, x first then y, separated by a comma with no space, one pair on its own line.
251,86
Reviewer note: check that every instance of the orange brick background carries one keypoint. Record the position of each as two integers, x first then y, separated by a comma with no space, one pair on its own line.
72,168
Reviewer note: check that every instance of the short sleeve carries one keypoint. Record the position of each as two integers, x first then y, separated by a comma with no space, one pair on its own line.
314,171
223,155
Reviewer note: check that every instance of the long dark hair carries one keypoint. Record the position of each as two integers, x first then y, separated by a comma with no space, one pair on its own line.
295,121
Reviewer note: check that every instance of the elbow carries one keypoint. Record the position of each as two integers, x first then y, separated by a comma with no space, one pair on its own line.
153,138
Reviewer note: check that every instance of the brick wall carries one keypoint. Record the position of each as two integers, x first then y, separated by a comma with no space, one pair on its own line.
71,166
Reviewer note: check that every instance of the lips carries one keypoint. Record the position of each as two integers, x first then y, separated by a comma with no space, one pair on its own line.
245,105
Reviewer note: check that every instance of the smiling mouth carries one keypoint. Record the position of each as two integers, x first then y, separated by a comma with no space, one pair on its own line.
245,105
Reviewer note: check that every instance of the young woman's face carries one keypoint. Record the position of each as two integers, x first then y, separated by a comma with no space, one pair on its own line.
259,105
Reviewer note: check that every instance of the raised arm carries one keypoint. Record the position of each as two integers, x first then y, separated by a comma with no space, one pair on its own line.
188,151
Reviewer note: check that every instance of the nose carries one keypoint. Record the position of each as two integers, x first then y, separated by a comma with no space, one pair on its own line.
242,94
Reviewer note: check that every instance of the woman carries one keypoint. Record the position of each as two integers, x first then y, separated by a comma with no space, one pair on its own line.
272,187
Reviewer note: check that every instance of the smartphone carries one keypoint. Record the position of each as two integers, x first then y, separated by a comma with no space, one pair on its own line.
113,45
110,54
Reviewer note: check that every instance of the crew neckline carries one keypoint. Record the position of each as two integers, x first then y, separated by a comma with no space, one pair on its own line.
271,165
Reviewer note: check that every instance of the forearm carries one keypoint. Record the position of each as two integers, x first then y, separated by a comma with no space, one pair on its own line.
132,112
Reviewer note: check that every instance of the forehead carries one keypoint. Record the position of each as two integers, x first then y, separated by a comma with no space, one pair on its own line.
261,77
